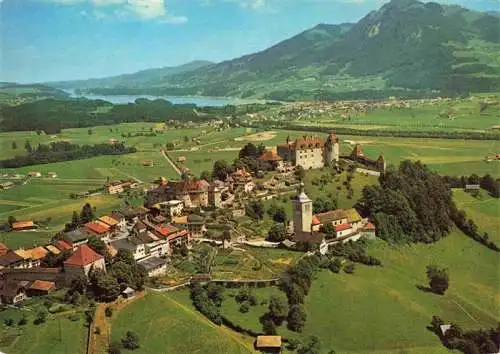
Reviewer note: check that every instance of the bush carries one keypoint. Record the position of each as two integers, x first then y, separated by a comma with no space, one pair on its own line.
438,279
115,348
245,307
97,330
131,341
74,318
108,312
8,322
349,268
23,320
335,265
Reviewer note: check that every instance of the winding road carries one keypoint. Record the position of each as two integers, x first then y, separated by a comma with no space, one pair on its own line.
176,169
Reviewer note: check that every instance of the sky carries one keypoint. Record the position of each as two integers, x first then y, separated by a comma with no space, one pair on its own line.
52,40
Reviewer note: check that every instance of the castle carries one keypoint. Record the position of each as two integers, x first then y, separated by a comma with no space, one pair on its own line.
310,152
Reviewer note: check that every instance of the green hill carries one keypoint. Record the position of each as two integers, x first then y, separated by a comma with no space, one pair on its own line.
135,80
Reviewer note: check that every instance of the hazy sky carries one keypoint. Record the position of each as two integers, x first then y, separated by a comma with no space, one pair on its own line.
46,40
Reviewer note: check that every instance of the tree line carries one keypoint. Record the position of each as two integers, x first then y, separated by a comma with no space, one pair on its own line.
63,151
413,204
467,135
488,183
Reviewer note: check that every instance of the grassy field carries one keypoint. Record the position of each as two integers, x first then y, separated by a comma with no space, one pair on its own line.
341,307
41,199
165,325
484,210
252,263
58,335
465,115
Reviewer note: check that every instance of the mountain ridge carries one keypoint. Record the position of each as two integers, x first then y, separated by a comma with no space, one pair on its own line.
405,47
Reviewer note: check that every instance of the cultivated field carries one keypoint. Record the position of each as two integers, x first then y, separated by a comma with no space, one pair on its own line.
165,325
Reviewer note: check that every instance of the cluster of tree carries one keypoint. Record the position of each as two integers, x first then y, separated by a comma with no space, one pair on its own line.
469,227
438,279
466,135
255,210
121,273
133,135
486,182
411,204
246,299
208,300
469,342
276,314
277,233
354,251
296,284
86,215
321,205
52,115
64,151
130,342
277,213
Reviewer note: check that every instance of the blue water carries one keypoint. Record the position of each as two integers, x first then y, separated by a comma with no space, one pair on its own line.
200,101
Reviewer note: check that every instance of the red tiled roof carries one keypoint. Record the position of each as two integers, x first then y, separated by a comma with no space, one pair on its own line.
96,228
308,141
165,230
43,285
83,256
342,227
178,234
63,245
3,249
270,155
315,220
369,226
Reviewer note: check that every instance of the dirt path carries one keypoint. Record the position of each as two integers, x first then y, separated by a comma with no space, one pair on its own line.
176,169
98,343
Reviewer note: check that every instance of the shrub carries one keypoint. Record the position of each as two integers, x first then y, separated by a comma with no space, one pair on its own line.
8,322
131,341
115,348
438,279
245,307
23,320
108,312
349,268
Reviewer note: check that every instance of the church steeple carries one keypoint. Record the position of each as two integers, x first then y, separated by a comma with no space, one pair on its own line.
302,214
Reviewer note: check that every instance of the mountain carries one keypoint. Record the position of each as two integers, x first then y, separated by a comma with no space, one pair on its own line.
405,48
139,79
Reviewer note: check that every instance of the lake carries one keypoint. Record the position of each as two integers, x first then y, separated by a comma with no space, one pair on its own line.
200,101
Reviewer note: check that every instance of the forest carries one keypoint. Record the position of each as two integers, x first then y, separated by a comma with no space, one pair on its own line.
63,151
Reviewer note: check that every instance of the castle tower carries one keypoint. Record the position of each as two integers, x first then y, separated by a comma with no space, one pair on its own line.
303,215
214,196
331,150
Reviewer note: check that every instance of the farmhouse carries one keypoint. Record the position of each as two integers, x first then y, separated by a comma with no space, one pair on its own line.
23,225
41,288
81,261
194,223
155,266
268,344
75,237
12,260
6,185
138,250
13,291
34,174
310,152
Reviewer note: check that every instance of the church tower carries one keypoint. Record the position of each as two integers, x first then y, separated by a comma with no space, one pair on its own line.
302,215
331,150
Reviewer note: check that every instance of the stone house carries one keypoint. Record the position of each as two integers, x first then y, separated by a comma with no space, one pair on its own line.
82,261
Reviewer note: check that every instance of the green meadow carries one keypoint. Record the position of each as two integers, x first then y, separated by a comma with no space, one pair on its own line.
58,335
484,210
383,305
165,325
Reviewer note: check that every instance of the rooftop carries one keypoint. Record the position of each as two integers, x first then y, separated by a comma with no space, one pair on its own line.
83,256
42,285
268,342
23,224
270,155
353,215
332,215
10,258
152,263
63,245
123,243
75,235
96,227
342,227
53,249
108,220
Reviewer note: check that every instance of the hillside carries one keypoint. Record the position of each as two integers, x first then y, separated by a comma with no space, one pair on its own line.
135,80
406,48
12,94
